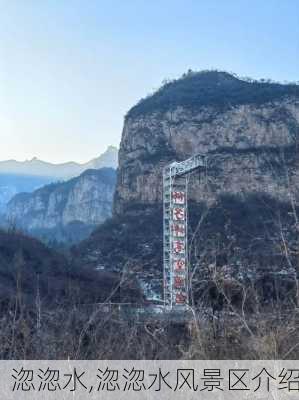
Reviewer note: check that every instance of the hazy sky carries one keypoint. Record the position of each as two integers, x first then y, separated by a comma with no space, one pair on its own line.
71,69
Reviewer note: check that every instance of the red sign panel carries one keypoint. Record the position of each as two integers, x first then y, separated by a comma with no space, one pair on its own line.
178,232
178,197
179,214
178,229
179,265
180,298
179,246
179,282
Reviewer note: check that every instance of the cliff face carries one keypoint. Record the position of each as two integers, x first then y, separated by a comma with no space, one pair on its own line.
246,144
86,199
27,176
244,207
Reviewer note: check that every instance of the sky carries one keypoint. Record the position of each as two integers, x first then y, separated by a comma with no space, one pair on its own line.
71,69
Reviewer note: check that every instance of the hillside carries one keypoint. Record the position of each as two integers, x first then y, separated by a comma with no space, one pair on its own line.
47,303
243,208
65,211
176,131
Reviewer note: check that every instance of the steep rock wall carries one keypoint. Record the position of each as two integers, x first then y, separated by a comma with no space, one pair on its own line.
86,199
251,142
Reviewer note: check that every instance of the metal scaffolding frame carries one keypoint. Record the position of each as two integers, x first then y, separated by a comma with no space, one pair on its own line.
175,231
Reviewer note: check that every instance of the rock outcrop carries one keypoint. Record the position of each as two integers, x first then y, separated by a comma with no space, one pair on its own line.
86,199
249,139
27,176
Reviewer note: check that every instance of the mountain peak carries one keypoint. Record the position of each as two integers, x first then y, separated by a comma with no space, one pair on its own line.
37,167
218,89
107,159
111,148
211,76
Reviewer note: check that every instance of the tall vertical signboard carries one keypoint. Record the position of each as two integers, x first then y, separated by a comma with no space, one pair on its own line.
175,240
175,229
179,246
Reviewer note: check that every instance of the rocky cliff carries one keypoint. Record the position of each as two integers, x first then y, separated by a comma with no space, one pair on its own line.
85,200
27,176
246,127
243,207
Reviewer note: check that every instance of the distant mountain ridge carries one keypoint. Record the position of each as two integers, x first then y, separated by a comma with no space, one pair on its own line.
27,176
36,167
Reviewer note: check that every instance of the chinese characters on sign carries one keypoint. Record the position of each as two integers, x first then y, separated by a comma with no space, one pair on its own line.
131,379
179,250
